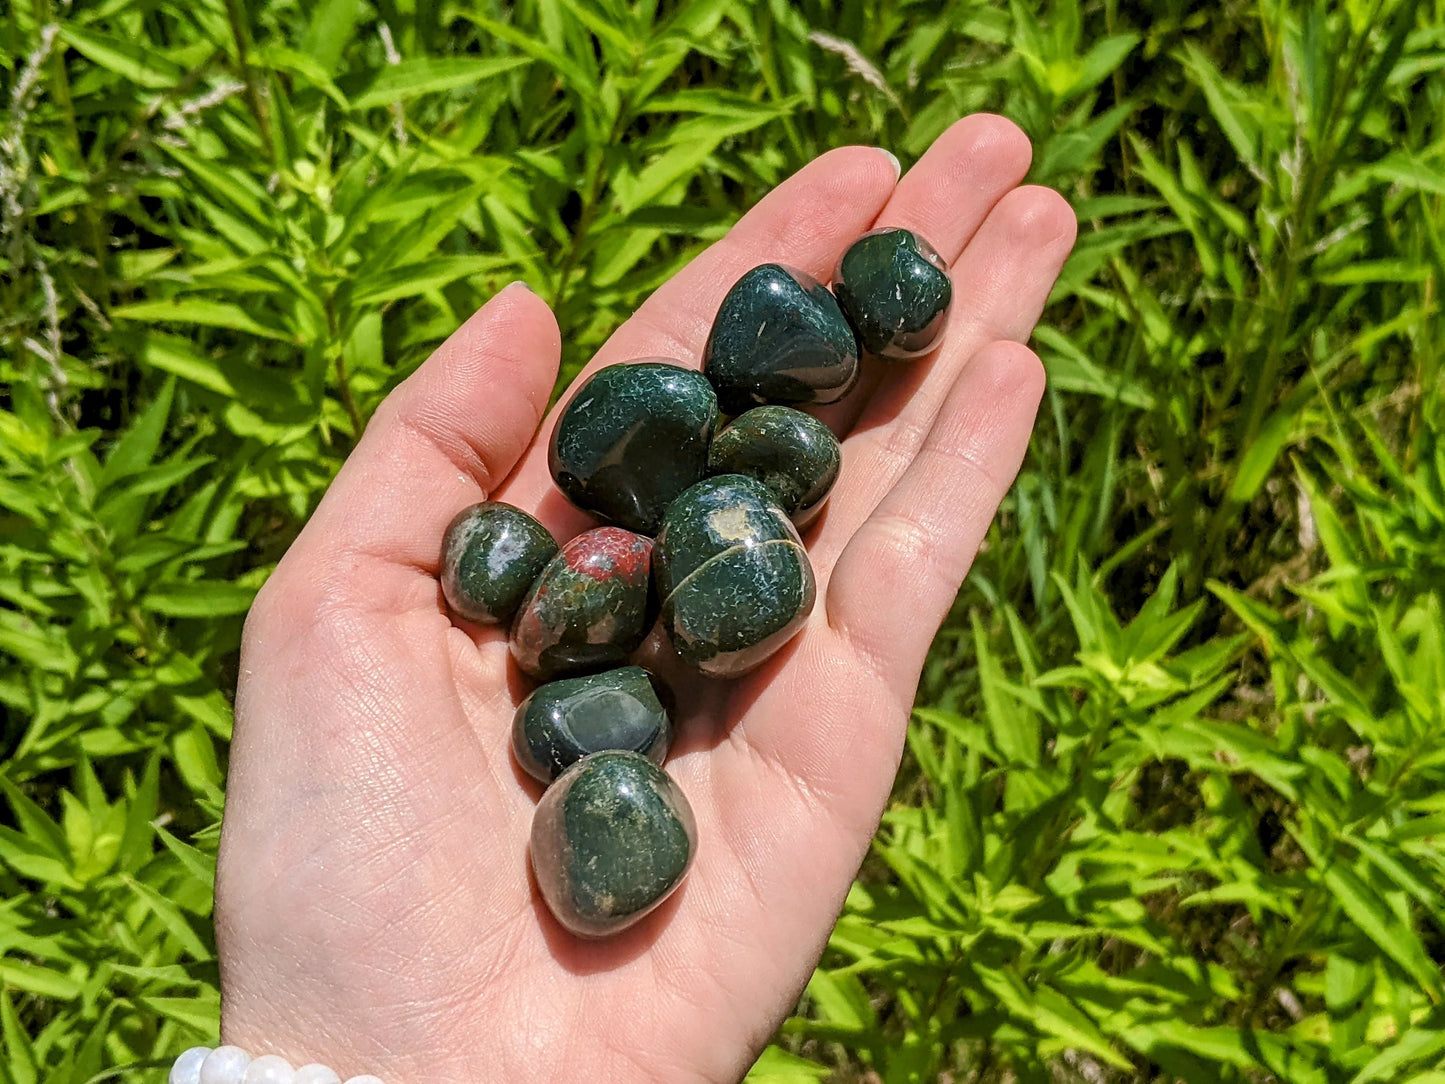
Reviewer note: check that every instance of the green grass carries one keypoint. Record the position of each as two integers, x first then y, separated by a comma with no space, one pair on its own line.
1173,806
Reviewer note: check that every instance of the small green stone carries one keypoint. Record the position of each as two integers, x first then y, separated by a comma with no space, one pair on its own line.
894,287
779,337
794,454
733,576
631,439
589,609
611,839
564,721
491,553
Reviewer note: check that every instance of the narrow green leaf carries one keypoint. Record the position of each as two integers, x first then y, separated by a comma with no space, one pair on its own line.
199,598
428,75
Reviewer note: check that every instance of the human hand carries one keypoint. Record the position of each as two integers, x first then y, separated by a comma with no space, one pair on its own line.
374,908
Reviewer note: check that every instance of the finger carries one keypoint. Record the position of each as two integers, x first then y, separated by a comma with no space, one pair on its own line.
947,195
444,439
898,576
806,221
1001,284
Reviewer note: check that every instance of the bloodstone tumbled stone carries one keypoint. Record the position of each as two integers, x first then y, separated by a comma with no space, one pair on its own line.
734,579
588,610
794,454
564,721
631,439
779,337
894,287
491,553
611,839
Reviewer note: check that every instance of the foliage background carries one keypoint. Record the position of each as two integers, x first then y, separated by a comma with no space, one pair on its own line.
1176,787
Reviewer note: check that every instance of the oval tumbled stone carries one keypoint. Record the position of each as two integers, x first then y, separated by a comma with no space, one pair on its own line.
491,554
631,439
894,287
611,839
794,454
734,579
779,337
589,608
564,721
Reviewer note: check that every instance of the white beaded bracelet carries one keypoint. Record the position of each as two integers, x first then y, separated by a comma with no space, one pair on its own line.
232,1065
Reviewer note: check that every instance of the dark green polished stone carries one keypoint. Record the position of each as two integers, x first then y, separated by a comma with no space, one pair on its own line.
734,579
611,839
794,454
631,439
895,289
779,337
491,553
564,721
589,609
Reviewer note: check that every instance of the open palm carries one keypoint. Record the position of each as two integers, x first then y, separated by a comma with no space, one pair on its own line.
374,909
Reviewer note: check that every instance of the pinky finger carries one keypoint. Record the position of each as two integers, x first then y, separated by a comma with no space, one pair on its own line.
895,580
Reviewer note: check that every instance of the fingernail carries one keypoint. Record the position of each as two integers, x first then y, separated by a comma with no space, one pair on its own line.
897,166
517,282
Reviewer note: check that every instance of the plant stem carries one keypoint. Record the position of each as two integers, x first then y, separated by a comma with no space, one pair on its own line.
60,90
242,37
343,380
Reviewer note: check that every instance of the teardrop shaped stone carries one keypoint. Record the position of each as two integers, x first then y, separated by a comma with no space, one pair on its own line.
566,720
779,337
631,439
733,576
491,554
894,287
794,454
612,838
590,607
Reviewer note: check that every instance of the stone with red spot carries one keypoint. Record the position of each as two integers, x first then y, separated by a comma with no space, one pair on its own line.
589,609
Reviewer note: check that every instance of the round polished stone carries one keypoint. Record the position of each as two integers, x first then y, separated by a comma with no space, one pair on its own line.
589,608
187,1068
564,721
611,839
225,1065
491,554
894,287
269,1069
631,439
794,454
779,337
734,579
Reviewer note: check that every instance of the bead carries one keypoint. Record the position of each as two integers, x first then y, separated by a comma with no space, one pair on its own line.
894,287
611,839
589,609
564,721
779,337
631,439
734,579
225,1065
366,1078
269,1069
316,1074
794,454
491,553
187,1069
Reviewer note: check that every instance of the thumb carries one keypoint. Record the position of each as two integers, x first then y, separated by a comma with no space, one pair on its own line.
444,439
